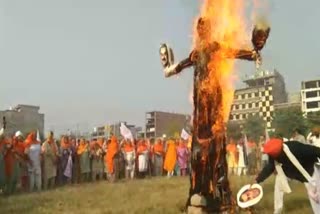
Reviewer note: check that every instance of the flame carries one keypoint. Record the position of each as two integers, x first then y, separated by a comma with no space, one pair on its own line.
228,28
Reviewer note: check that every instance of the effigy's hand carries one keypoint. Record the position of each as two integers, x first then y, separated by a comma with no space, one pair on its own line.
170,70
256,56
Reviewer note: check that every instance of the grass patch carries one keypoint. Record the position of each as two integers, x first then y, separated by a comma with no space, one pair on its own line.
156,195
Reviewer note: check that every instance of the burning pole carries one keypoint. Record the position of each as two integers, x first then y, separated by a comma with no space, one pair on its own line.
209,184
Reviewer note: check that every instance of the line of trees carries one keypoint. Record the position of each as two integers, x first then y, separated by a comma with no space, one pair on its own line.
284,122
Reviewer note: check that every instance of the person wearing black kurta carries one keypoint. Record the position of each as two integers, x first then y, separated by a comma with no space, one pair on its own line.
307,155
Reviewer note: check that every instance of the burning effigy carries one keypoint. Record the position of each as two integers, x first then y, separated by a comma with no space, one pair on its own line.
220,37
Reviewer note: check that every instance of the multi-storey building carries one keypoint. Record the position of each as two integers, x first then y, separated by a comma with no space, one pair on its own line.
24,118
310,96
159,124
294,100
263,90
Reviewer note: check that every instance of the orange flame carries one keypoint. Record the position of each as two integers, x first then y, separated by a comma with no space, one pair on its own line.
227,27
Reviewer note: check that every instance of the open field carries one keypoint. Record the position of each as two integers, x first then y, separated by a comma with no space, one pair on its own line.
156,195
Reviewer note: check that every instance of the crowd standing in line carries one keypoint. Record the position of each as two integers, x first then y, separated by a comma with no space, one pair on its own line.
27,164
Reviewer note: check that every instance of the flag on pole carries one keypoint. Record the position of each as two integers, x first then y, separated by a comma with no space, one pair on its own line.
184,134
125,132
38,136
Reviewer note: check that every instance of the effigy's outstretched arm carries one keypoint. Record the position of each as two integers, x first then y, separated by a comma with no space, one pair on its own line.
177,68
251,55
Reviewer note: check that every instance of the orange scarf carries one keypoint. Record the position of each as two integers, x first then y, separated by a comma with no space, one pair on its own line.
231,148
100,141
64,143
142,147
31,140
82,147
128,147
158,148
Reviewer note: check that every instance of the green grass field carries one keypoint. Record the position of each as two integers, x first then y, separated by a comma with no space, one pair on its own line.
156,195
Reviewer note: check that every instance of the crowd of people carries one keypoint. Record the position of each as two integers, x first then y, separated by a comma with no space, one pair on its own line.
26,164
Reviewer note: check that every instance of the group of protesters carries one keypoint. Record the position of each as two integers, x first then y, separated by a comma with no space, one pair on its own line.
27,164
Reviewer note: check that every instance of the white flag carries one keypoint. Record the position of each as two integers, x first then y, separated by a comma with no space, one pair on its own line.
184,135
38,136
1,131
125,132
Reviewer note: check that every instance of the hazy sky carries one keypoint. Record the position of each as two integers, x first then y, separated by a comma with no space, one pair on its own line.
91,62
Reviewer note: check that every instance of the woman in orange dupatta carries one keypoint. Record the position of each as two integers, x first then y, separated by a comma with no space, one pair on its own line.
232,157
83,153
171,158
11,167
158,154
112,150
96,155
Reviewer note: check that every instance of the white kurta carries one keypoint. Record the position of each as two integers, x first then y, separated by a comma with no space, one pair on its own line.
129,157
143,162
241,163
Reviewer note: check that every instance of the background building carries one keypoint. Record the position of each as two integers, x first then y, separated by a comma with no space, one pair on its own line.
294,100
263,91
164,123
310,96
25,118
114,129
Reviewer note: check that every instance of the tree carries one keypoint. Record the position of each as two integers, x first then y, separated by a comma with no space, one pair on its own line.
172,129
286,120
254,127
313,119
234,130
